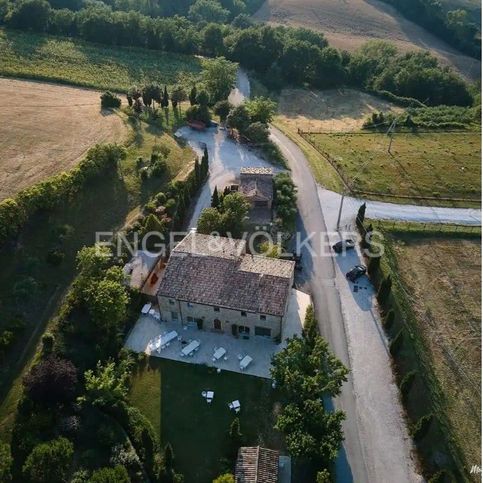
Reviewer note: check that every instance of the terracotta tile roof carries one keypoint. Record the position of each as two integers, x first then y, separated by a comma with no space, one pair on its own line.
255,464
256,188
222,278
207,245
256,170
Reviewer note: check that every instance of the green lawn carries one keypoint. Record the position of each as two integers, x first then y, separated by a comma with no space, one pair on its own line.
169,394
35,56
439,165
104,205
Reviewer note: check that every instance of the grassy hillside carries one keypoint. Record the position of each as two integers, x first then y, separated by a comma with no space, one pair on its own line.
106,204
435,165
34,56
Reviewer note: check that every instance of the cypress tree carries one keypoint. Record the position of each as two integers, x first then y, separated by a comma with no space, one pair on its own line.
198,176
396,343
165,100
192,96
373,265
389,320
361,215
384,289
310,330
204,163
215,200
420,429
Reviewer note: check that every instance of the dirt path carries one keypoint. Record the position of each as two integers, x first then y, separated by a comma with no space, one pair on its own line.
348,24
47,128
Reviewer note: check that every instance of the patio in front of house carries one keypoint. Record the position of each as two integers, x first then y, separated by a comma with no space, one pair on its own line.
147,331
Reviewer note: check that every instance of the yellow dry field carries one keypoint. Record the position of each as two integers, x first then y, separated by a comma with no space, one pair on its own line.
332,110
47,128
443,278
347,24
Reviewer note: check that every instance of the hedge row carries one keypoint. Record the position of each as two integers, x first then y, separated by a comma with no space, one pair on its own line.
401,101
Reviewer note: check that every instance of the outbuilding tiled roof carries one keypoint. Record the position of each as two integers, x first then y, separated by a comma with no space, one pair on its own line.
257,188
222,278
255,464
256,170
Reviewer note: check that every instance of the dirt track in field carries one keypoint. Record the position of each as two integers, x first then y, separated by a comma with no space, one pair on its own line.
347,24
47,128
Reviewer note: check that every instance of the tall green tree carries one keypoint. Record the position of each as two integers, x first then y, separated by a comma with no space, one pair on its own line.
193,95
215,200
108,384
49,462
165,98
261,109
234,214
6,462
210,221
219,77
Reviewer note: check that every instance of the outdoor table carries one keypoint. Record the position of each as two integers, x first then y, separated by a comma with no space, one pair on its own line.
146,308
191,347
166,338
244,363
219,353
210,395
235,405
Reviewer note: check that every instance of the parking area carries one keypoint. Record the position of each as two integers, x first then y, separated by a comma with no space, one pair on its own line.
147,331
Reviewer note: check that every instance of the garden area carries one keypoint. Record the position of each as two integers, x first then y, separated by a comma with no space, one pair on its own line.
168,393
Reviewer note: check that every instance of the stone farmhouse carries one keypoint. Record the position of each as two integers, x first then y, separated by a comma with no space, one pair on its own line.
256,185
212,283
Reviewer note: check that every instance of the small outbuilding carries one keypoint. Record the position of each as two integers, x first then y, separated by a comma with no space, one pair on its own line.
255,464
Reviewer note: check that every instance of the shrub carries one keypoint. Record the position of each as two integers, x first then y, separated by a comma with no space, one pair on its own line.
106,436
443,476
226,478
420,429
47,343
55,257
52,380
373,265
118,474
389,320
384,290
110,100
396,343
6,340
49,462
406,383
159,168
257,133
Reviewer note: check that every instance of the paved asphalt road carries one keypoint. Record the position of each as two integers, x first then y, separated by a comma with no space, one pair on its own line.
394,211
376,425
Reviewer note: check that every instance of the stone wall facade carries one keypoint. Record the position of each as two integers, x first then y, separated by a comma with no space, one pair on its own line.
221,319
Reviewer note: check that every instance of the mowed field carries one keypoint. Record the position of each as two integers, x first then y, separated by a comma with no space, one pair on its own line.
434,165
47,128
442,279
347,24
